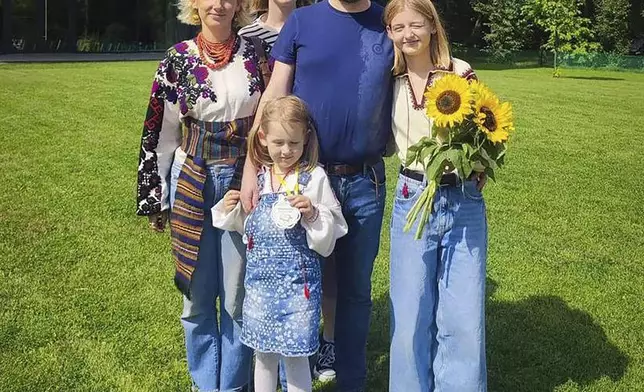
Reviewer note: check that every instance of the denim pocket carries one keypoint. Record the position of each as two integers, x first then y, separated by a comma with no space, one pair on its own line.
407,189
471,192
376,174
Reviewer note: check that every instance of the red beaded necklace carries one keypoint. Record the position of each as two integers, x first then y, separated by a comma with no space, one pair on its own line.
215,55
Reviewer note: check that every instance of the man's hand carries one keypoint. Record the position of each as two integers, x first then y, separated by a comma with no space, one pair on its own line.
249,194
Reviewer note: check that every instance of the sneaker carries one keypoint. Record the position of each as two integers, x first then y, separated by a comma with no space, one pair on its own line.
324,369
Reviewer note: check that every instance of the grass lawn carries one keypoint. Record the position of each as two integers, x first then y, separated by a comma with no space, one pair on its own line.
86,295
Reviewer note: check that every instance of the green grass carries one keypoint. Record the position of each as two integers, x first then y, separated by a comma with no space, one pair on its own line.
86,295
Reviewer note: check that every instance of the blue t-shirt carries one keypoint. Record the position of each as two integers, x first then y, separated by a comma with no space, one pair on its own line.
343,67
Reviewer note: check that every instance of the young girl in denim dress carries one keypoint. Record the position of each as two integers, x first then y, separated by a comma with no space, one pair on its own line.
296,223
437,285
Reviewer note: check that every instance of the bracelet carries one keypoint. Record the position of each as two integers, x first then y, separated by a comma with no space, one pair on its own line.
315,216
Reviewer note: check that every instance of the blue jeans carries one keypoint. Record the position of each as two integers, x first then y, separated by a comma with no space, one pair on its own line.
362,197
437,291
217,360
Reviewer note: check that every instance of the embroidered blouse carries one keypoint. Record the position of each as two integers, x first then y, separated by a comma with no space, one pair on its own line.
197,112
409,120
321,233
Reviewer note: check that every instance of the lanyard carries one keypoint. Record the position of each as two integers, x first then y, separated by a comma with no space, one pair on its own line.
283,185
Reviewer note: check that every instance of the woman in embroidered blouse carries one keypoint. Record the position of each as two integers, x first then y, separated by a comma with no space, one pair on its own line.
437,285
204,96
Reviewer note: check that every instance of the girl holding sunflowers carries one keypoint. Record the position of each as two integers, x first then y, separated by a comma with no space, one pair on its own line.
437,282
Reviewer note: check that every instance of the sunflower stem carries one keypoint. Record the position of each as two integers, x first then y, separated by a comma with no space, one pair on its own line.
413,213
424,218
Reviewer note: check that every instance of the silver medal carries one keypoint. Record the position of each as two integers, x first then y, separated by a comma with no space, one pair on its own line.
284,215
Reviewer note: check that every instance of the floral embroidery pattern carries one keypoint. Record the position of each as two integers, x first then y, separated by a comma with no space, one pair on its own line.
251,64
181,79
149,190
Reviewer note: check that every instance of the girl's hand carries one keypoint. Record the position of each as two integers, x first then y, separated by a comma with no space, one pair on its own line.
158,221
231,198
303,204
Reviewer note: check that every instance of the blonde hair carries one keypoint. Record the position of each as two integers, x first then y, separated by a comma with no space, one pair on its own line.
189,15
291,113
438,46
260,6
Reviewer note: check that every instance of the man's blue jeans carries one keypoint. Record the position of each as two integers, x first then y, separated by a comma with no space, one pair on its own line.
362,197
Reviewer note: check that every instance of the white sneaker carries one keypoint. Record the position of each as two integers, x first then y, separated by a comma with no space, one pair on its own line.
324,369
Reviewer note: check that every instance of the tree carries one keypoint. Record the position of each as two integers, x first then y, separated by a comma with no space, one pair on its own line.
561,20
508,29
612,24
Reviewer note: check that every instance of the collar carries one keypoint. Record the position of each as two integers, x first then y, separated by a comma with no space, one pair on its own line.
449,69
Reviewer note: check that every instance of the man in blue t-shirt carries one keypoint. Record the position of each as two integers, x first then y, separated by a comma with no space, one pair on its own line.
336,56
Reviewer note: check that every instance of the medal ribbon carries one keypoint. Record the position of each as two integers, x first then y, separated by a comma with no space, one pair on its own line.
296,189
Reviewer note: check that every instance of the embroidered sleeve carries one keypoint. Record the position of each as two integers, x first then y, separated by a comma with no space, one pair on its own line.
470,75
161,137
267,49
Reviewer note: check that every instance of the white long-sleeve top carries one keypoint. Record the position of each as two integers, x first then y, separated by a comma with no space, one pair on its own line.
321,234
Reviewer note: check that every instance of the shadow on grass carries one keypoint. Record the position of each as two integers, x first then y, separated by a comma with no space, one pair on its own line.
540,342
533,345
592,78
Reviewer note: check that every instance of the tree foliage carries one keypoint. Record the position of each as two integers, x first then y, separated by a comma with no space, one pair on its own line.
567,30
612,24
504,27
507,29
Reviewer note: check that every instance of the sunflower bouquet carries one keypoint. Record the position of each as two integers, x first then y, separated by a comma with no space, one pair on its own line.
470,131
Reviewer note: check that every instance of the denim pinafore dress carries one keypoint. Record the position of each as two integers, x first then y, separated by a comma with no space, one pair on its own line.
281,312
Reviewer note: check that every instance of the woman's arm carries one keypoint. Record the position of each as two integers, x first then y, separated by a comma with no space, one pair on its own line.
160,138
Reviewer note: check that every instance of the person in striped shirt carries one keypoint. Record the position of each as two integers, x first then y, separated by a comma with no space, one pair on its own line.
271,16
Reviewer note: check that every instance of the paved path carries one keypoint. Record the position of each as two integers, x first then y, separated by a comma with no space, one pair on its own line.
78,57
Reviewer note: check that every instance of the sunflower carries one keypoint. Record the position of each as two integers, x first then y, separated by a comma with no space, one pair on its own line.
490,115
449,100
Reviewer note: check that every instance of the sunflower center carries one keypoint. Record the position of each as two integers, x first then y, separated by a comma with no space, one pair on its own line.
448,102
489,122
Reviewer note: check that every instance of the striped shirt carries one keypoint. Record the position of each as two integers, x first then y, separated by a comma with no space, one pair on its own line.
259,29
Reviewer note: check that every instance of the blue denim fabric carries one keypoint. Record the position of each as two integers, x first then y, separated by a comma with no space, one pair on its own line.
362,197
217,360
437,292
278,316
